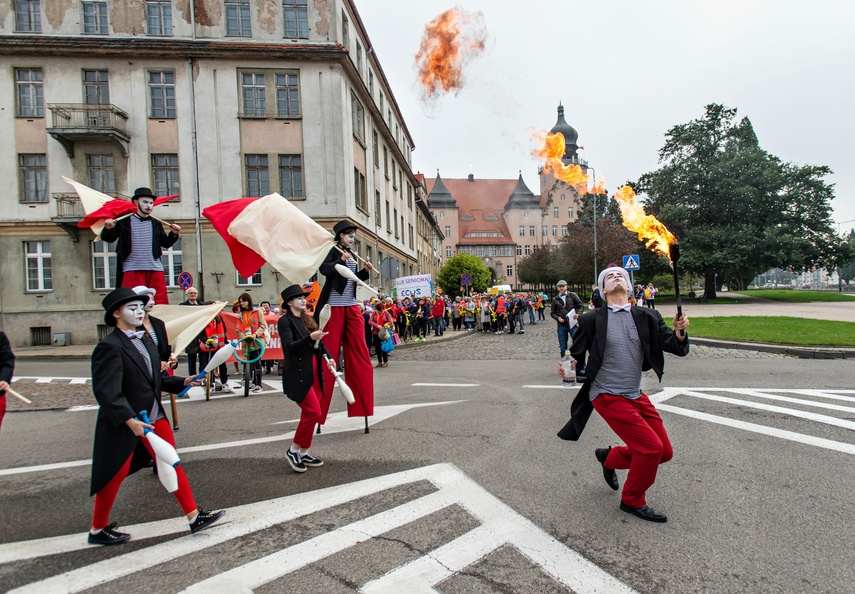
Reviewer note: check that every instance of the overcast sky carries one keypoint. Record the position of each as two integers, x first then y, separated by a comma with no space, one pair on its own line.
626,71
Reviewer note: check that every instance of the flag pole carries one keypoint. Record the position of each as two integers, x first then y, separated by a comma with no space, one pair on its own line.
358,257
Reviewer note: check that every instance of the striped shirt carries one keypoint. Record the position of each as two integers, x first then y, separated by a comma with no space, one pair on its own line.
620,373
156,412
348,297
141,257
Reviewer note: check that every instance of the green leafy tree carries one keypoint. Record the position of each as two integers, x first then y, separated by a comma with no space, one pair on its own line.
538,267
736,209
456,266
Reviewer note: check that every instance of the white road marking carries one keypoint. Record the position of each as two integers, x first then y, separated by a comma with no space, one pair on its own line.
336,423
500,525
448,385
79,380
46,380
82,407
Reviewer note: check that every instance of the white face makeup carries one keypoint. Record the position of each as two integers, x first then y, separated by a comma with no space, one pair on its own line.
132,313
149,304
297,304
145,205
348,238
614,280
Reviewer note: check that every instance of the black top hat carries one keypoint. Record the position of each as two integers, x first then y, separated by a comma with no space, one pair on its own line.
116,299
342,227
293,291
142,193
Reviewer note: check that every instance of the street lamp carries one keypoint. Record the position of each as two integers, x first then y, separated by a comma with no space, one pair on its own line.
595,220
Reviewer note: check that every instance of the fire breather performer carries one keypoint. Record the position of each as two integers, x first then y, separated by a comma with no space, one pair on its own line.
141,242
620,342
127,379
345,328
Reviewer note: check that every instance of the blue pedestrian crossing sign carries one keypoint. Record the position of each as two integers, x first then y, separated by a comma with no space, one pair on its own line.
631,262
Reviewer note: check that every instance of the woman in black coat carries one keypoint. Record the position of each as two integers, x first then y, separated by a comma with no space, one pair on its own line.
303,363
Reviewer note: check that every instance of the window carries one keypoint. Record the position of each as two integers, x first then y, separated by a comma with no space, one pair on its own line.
296,19
570,212
492,251
164,174
95,18
253,281
33,178
522,230
238,21
448,251
159,17
173,265
378,216
291,176
28,82
103,265
410,231
563,230
287,94
28,17
409,196
38,263
554,230
161,91
386,161
555,211
375,147
359,190
257,175
519,250
528,250
96,87
101,174
531,230
388,222
442,214
563,197
371,83
505,250
358,58
395,218
448,230
357,113
480,251
544,230
510,270
252,91
345,32
394,179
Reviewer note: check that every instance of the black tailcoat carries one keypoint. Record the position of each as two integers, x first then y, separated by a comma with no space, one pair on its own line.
123,387
300,354
656,339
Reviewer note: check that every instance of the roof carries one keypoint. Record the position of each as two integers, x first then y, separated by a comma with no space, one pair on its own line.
481,203
522,197
439,196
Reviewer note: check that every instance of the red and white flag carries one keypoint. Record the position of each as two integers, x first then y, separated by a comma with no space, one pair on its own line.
271,229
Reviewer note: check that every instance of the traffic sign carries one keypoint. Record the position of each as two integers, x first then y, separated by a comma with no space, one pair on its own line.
185,280
466,279
631,262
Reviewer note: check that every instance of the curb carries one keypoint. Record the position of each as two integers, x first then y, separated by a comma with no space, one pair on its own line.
793,350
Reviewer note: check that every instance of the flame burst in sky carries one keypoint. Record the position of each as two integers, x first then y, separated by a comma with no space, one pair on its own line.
449,42
550,150
649,229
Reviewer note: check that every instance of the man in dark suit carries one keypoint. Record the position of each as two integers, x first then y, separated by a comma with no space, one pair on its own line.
141,241
193,351
620,342
126,380
565,307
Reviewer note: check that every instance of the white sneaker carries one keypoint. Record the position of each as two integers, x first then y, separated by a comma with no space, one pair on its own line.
228,389
256,389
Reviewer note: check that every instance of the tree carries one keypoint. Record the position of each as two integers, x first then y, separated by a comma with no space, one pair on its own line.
537,268
456,266
736,209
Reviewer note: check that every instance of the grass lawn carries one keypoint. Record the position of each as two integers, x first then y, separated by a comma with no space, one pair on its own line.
775,329
799,296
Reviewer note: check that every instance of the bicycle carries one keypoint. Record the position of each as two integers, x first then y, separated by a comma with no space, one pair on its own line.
246,348
407,332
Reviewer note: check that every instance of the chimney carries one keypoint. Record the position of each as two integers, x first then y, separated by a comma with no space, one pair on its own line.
472,177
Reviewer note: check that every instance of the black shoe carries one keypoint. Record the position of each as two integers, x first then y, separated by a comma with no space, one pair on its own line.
205,520
645,512
609,474
109,536
295,461
311,461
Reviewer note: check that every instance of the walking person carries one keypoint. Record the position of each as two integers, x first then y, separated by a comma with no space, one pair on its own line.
381,324
215,339
126,380
251,323
302,376
619,342
437,315
530,305
7,369
650,295
565,307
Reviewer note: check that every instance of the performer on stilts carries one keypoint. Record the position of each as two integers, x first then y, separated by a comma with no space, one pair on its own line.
126,380
346,330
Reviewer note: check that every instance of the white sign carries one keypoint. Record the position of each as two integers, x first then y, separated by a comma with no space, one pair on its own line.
416,286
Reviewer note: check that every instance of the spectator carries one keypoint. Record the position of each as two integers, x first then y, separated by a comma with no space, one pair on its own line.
7,368
565,307
251,322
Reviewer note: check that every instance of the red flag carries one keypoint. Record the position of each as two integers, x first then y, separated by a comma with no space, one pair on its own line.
115,209
246,261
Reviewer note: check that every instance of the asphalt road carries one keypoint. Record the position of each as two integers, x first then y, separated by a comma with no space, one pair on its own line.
463,488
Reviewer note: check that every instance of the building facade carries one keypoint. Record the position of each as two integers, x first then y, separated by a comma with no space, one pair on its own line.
209,99
502,220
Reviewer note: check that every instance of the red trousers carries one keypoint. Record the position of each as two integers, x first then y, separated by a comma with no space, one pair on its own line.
640,427
347,329
106,496
153,279
310,415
